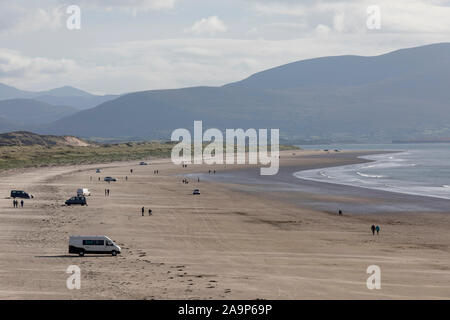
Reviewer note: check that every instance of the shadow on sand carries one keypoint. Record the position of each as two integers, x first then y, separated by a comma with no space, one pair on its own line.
73,256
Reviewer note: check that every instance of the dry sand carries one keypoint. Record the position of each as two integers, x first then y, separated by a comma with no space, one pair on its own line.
222,244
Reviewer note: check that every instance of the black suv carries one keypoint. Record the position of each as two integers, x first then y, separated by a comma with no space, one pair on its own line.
77,200
20,194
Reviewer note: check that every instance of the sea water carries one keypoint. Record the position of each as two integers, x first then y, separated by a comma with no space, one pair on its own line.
419,169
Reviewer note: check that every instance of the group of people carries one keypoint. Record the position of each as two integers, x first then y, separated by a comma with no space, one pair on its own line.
150,212
185,181
16,203
375,229
155,171
107,191
212,171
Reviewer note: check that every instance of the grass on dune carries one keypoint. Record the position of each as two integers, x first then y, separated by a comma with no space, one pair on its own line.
40,156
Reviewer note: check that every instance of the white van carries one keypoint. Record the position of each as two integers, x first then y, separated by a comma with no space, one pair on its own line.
83,192
92,244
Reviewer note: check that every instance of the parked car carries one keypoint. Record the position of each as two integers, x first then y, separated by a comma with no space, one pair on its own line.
196,191
143,163
76,200
97,171
20,194
110,179
92,244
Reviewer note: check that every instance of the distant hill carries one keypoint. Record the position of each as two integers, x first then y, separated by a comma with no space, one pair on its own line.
8,92
399,95
28,112
77,102
66,91
23,138
354,71
6,125
65,96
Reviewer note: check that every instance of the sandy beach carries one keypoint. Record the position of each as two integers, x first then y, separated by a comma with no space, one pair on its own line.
239,239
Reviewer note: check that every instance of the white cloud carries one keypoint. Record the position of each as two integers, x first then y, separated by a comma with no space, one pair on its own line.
322,30
18,19
350,16
211,26
266,33
16,67
132,6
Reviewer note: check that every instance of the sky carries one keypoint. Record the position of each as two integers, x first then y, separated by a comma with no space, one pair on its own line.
124,46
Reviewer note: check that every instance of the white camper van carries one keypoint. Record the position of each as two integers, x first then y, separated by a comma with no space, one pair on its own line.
92,244
83,192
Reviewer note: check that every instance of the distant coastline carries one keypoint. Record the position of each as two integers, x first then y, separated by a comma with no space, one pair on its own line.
437,140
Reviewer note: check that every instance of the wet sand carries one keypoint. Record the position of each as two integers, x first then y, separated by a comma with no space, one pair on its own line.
231,242
328,197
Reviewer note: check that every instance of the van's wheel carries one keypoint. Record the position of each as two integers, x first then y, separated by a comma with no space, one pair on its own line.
114,253
81,253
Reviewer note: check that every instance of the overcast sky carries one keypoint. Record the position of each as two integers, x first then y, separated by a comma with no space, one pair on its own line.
125,46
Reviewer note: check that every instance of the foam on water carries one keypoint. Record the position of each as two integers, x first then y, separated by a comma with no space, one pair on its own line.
418,169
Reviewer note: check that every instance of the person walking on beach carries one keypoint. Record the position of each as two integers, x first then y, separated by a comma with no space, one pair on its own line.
373,229
21,203
377,228
126,178
143,209
150,212
340,212
14,203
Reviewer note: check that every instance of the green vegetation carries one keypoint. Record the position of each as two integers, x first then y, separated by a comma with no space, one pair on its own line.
41,156
25,149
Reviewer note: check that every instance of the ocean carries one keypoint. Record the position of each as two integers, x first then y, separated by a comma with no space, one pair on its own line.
418,169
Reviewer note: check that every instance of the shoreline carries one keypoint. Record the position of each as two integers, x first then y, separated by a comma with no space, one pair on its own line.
286,181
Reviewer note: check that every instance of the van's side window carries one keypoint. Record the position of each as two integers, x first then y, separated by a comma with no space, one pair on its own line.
108,243
89,242
99,242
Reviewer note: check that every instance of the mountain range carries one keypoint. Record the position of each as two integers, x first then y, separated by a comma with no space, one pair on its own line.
399,95
67,96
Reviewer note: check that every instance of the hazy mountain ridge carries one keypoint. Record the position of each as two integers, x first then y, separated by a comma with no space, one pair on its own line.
398,95
28,112
66,96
